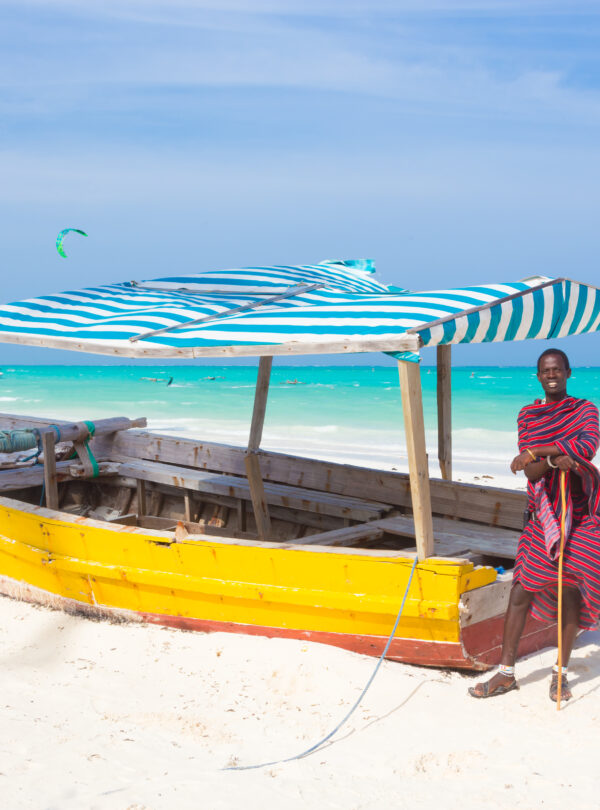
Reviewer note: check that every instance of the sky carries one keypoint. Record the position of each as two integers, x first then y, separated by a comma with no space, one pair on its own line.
453,142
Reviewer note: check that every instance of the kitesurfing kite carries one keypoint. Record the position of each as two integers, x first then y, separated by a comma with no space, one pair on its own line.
61,236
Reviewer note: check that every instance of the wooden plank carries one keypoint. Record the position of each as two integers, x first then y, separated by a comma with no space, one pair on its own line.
50,482
491,505
260,402
346,536
32,476
296,345
453,536
418,470
125,520
258,497
484,603
444,409
237,487
141,496
260,505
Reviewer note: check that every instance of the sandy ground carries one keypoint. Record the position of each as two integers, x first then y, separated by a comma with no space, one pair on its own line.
133,717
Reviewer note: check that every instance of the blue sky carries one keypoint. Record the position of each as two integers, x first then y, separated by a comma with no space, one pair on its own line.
453,142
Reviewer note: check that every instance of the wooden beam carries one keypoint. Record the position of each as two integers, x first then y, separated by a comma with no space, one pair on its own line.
50,482
412,406
141,497
258,497
260,402
444,410
257,488
350,344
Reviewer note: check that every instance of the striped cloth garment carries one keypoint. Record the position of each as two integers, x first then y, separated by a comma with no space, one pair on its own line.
572,425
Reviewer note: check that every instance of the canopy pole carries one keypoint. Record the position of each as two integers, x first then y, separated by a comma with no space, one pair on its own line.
50,484
444,409
255,481
414,426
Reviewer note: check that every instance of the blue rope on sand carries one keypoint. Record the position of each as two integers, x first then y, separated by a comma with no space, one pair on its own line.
316,746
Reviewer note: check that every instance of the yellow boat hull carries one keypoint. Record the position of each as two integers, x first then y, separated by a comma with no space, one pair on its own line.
349,598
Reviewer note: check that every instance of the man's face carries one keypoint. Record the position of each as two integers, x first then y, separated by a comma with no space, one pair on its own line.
553,375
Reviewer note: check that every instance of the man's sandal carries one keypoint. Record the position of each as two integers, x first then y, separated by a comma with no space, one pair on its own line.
484,690
565,690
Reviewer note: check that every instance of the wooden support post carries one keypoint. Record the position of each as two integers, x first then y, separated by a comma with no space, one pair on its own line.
141,498
187,506
260,402
444,410
255,481
50,484
257,494
412,406
241,515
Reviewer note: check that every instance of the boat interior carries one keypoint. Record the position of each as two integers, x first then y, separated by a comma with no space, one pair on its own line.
186,488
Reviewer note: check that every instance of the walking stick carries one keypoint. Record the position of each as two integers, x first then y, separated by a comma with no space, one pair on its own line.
563,510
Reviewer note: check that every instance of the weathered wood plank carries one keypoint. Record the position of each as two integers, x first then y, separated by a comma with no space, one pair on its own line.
257,495
141,497
457,536
260,505
346,536
260,402
491,505
237,487
444,410
350,344
414,426
50,483
34,476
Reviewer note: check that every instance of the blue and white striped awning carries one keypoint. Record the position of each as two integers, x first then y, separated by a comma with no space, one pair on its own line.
309,309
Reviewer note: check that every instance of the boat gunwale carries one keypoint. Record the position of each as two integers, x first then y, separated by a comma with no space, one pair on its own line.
193,539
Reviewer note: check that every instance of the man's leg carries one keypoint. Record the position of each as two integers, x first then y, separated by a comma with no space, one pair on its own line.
514,622
570,624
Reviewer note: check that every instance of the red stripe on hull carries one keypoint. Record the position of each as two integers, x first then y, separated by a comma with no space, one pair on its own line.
405,650
483,641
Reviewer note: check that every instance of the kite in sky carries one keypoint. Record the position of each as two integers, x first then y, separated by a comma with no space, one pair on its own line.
61,236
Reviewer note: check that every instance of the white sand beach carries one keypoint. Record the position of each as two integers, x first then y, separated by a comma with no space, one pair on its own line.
100,716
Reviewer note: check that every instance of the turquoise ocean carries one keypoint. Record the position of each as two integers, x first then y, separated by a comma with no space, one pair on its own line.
345,413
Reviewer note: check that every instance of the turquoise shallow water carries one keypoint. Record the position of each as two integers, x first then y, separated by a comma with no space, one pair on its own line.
350,413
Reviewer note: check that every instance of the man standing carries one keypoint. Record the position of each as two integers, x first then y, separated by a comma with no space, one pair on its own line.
558,433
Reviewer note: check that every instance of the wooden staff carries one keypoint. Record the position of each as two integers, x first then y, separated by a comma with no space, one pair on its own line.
560,572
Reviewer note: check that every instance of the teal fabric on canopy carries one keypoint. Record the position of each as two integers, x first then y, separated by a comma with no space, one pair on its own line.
307,309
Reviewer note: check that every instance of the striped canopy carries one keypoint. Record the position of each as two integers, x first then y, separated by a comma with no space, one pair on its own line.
331,307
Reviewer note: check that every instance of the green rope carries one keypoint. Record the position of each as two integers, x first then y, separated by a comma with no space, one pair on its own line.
13,441
92,429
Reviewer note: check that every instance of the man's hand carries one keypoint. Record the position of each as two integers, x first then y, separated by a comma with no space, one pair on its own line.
520,462
566,463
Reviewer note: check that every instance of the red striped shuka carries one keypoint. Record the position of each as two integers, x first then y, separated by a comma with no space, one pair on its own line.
572,425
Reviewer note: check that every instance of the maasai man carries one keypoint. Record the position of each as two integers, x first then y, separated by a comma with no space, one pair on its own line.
557,433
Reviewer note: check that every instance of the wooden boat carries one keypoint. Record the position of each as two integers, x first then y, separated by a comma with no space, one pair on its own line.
166,534
205,536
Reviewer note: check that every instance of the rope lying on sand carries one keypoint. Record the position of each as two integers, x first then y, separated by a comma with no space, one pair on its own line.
318,745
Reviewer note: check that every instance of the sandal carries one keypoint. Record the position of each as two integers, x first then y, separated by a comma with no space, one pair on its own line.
565,690
485,690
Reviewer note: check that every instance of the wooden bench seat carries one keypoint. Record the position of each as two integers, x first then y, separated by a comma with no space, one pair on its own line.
452,537
308,500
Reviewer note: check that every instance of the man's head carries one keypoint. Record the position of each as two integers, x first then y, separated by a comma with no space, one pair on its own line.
553,371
